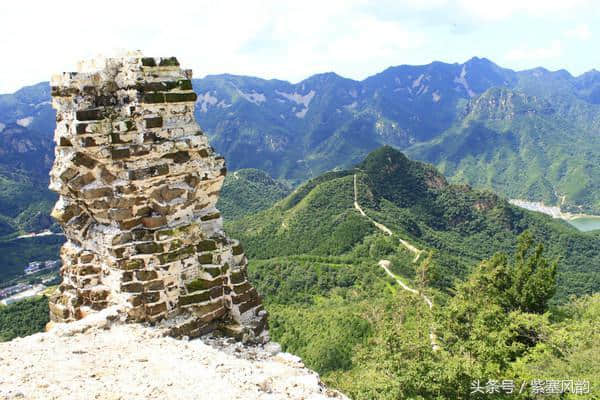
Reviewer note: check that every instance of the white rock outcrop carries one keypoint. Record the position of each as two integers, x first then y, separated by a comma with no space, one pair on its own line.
90,359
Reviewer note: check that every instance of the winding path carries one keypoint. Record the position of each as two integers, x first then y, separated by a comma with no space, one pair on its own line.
385,264
384,228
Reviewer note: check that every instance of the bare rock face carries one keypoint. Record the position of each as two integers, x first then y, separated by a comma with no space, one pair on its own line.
90,359
138,183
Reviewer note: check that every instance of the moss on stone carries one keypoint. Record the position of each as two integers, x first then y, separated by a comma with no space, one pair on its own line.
169,62
203,284
148,62
196,297
206,245
205,258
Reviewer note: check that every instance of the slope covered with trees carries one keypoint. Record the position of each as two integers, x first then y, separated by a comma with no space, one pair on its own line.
495,274
460,225
23,318
247,191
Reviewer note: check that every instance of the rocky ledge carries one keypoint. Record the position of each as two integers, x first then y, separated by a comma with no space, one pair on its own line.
99,357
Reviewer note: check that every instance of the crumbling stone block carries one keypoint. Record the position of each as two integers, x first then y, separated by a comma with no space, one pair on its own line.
138,183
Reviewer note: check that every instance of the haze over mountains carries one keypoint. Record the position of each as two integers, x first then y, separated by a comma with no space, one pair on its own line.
529,134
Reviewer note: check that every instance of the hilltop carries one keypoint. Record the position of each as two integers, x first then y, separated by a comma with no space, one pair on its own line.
461,225
92,359
381,278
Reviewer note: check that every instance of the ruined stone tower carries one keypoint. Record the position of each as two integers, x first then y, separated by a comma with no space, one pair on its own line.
138,183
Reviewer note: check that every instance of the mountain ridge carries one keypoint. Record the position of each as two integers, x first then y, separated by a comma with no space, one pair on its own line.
461,225
295,131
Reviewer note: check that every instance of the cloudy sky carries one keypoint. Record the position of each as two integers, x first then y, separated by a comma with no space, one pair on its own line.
293,39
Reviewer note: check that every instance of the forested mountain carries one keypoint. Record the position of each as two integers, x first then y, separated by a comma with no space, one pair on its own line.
319,263
26,154
247,191
478,122
528,134
460,225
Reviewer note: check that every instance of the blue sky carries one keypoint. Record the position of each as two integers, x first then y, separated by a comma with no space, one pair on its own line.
293,39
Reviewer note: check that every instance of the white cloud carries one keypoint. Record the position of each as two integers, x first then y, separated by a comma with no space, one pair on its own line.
499,10
208,36
524,54
286,39
580,32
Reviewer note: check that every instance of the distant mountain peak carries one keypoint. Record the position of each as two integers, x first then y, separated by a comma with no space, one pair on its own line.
479,60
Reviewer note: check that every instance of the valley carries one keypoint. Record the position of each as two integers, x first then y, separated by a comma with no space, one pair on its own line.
347,296
583,222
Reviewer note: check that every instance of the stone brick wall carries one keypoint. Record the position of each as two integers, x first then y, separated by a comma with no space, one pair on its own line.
138,183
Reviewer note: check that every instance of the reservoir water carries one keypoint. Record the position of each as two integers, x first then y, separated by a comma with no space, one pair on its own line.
585,223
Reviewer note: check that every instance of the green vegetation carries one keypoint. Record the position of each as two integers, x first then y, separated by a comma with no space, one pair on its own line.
23,318
25,203
463,226
496,274
523,147
500,279
16,254
247,191
370,339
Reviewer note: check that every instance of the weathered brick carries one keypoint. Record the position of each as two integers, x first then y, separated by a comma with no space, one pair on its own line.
179,158
241,298
205,258
138,194
169,62
241,288
68,174
95,193
155,122
132,287
148,248
130,264
154,222
214,271
196,297
237,250
237,277
81,128
148,62
206,245
119,214
155,309
157,284
249,305
82,160
180,97
151,297
80,181
152,98
94,114
149,172
202,284
176,255
118,154
210,217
